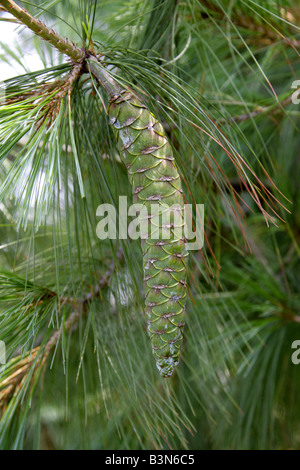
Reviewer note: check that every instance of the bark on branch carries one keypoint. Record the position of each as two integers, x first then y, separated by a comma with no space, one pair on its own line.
40,29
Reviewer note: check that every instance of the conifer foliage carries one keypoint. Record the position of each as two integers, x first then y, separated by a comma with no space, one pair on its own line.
195,102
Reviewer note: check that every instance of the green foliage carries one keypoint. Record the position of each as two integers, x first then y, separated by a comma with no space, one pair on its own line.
79,371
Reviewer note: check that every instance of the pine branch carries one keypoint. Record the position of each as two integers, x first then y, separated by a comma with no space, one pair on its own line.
41,30
270,110
101,283
20,367
77,55
268,32
56,92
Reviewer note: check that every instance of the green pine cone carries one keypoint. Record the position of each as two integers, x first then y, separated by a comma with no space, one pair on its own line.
149,160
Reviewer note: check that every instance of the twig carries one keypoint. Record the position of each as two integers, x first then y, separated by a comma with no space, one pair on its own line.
40,29
82,304
83,60
268,32
259,110
78,55
56,90
12,384
102,282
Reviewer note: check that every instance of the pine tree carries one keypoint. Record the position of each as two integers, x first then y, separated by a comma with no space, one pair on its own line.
208,88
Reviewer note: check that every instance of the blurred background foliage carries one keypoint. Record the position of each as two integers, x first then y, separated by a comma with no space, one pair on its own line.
79,371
